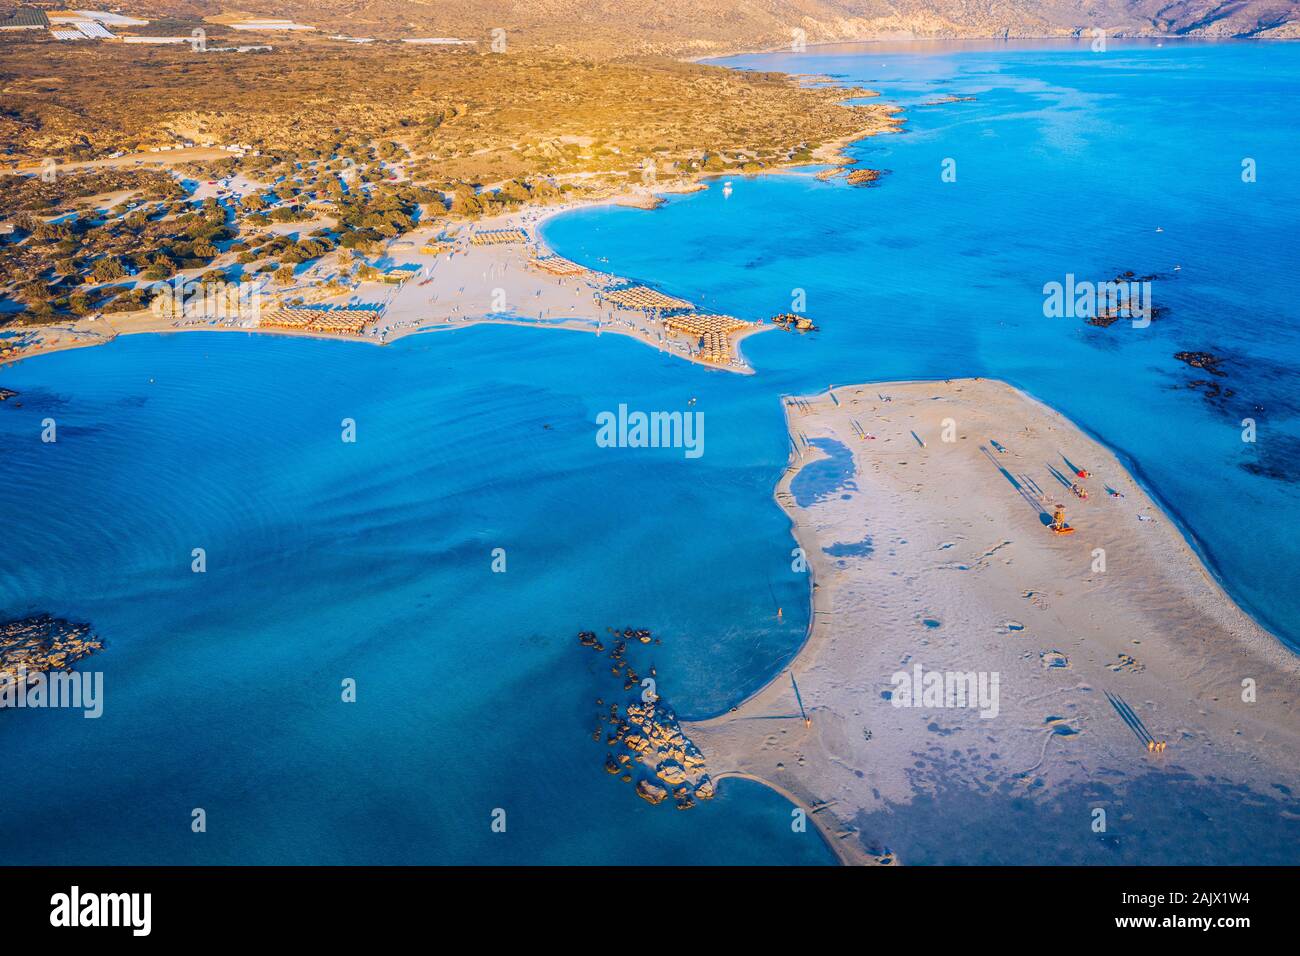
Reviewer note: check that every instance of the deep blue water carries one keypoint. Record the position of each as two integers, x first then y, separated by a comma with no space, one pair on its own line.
372,560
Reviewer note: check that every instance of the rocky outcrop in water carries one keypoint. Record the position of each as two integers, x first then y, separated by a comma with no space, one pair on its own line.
1206,361
865,177
648,746
34,645
792,322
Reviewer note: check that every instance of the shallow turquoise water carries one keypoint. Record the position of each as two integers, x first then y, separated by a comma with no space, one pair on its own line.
1067,163
372,560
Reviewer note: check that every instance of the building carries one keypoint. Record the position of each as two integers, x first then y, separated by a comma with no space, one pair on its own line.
24,18
268,23
399,274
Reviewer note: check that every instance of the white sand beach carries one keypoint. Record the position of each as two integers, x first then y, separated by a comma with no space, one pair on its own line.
1116,652
501,284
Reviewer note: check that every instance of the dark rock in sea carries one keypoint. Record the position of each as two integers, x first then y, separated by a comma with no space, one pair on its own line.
793,323
646,740
43,643
1109,317
1211,389
1277,458
1206,361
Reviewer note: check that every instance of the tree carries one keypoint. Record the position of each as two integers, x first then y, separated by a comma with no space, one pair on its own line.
107,269
160,268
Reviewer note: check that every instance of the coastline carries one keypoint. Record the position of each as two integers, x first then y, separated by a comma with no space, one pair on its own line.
512,260
406,314
533,299
1156,629
505,266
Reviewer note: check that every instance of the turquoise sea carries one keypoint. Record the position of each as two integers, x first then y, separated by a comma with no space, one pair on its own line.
373,560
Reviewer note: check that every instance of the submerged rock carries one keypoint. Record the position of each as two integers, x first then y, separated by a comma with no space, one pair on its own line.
1211,389
1207,361
648,792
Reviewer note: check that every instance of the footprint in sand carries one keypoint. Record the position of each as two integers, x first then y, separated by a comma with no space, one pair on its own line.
1059,726
1054,659
1035,598
1010,627
1128,664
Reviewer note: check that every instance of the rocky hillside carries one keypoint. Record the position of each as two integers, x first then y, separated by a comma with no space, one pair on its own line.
684,27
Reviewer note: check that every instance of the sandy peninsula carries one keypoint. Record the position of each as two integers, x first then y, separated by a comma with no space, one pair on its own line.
461,284
923,509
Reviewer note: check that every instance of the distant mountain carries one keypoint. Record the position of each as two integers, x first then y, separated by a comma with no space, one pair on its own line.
684,27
